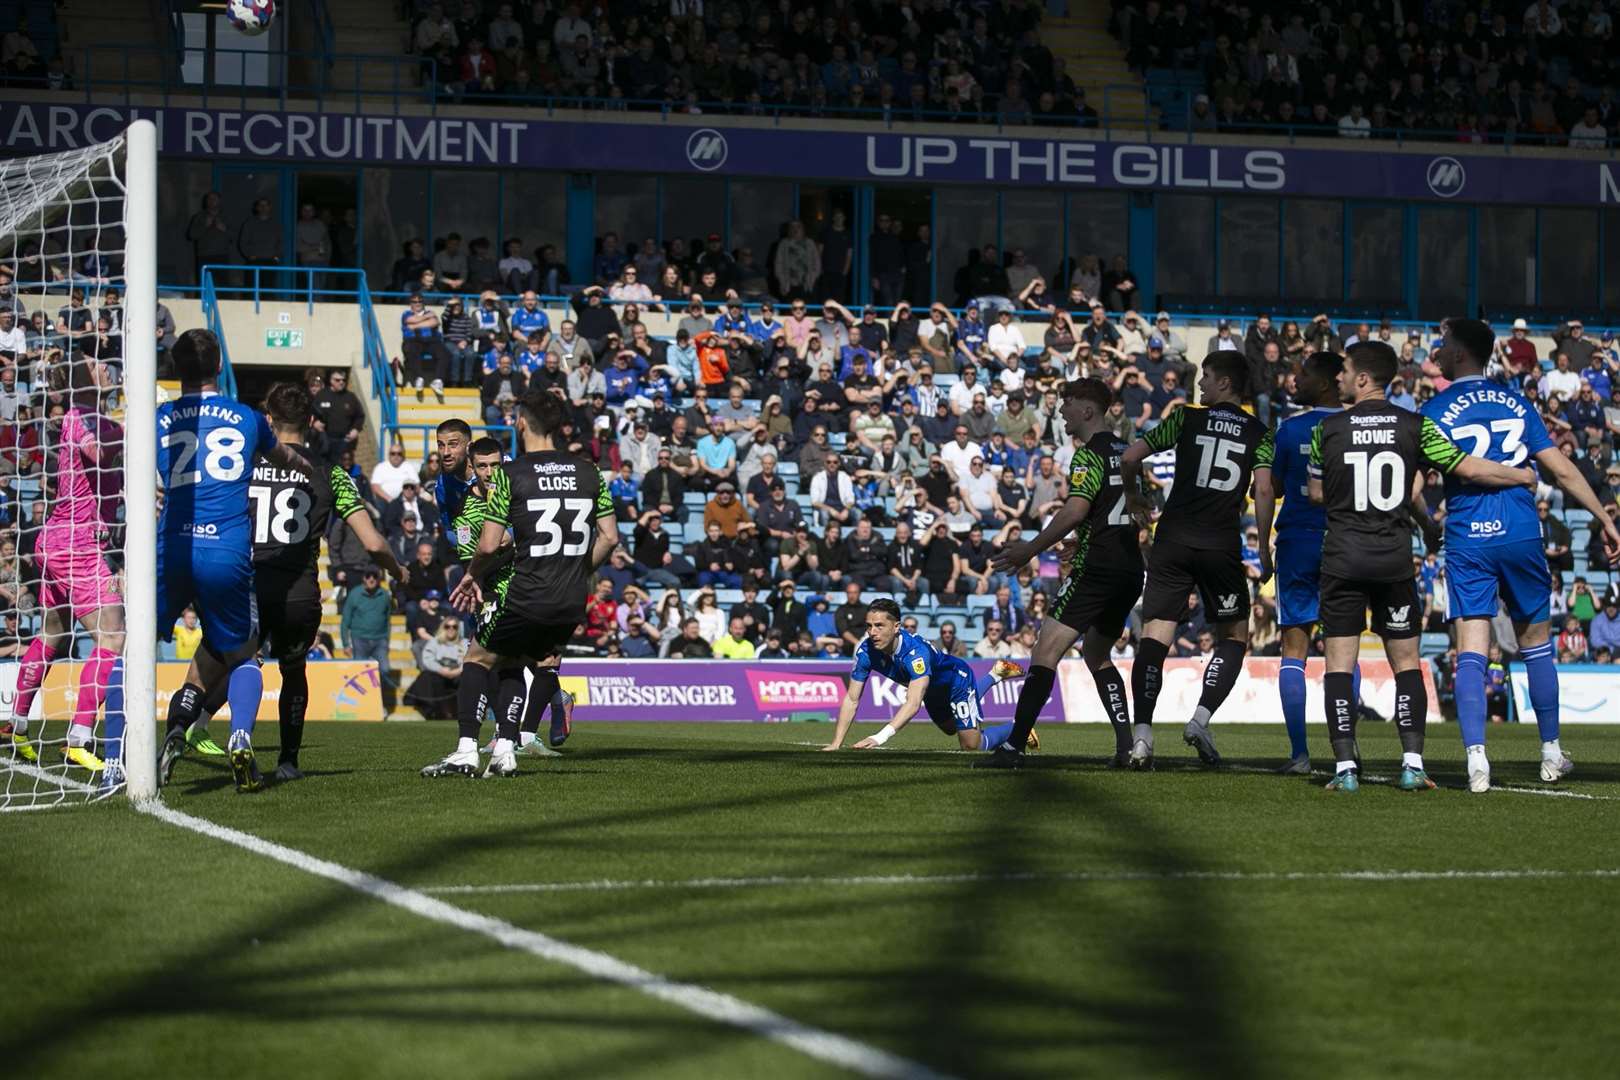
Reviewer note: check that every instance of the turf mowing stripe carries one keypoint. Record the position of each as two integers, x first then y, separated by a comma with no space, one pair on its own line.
711,1004
1033,876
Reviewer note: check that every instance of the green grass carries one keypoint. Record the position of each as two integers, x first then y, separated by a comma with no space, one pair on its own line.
141,950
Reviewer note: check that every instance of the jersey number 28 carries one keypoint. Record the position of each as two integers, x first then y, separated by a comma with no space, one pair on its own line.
223,457
550,534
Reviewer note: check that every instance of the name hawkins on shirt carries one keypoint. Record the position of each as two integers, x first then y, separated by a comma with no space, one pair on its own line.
204,409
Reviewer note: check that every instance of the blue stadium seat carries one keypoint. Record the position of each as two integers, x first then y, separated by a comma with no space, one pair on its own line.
1434,644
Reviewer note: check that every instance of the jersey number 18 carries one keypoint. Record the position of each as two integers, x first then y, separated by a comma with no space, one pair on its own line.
289,524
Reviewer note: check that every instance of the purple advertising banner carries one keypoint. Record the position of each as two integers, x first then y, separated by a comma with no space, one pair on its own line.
1318,168
750,691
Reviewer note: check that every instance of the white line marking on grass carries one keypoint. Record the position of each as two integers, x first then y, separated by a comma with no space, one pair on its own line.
710,1004
64,786
776,881
1370,778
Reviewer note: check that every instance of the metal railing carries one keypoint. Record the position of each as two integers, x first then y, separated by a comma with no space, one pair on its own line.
1280,310
307,285
211,319
393,433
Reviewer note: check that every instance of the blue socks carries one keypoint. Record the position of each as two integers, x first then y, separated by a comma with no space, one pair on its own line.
112,730
1470,689
993,735
1291,687
244,693
1542,669
981,686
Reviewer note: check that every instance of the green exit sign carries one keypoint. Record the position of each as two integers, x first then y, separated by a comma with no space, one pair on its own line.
283,339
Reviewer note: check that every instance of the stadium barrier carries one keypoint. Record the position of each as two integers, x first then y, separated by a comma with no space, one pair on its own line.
1587,693
338,690
744,691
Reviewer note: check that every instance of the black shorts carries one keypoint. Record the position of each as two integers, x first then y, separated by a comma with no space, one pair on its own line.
1099,598
506,631
1175,570
1397,611
289,611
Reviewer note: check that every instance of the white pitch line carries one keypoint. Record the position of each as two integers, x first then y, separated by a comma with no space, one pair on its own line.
711,1004
1557,793
65,784
773,881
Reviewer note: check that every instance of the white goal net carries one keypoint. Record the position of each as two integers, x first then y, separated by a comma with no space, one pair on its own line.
77,385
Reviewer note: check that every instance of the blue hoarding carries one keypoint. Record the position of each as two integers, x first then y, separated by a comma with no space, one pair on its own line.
1330,168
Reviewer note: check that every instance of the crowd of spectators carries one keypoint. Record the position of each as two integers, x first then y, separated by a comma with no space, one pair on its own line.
935,58
58,312
1545,72
804,455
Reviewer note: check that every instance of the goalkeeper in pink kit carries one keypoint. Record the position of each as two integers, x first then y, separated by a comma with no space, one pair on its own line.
77,581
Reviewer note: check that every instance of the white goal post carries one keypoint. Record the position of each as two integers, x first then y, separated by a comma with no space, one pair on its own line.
78,247
140,461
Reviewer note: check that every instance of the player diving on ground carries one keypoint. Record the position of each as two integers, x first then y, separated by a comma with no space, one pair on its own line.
936,681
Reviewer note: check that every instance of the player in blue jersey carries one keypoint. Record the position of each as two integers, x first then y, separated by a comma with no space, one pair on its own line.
1298,560
936,681
1493,542
206,447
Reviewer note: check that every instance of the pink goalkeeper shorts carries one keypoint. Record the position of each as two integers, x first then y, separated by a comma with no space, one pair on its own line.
78,578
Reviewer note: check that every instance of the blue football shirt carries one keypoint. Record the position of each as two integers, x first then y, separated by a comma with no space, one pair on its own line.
206,447
1492,421
1290,470
913,658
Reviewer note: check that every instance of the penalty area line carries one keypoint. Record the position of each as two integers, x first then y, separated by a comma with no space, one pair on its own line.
1102,876
712,1005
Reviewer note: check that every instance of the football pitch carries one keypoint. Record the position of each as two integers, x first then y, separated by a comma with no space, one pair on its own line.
722,900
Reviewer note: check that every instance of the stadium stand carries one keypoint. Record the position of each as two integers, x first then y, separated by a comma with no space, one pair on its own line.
1461,72
679,344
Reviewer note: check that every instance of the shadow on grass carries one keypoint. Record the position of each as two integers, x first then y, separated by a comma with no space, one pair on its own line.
1151,992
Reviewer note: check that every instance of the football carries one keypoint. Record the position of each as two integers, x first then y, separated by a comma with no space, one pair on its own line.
251,17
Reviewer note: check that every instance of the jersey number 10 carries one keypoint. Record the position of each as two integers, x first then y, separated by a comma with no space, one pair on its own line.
546,530
1379,479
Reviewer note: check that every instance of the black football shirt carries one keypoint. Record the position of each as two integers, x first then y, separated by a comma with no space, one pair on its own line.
1217,450
1366,458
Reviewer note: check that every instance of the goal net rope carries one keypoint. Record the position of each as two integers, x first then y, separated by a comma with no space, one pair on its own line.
77,352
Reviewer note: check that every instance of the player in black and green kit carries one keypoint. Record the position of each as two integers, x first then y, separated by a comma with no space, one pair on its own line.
1366,469
563,528
461,490
290,516
1219,449
1104,579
